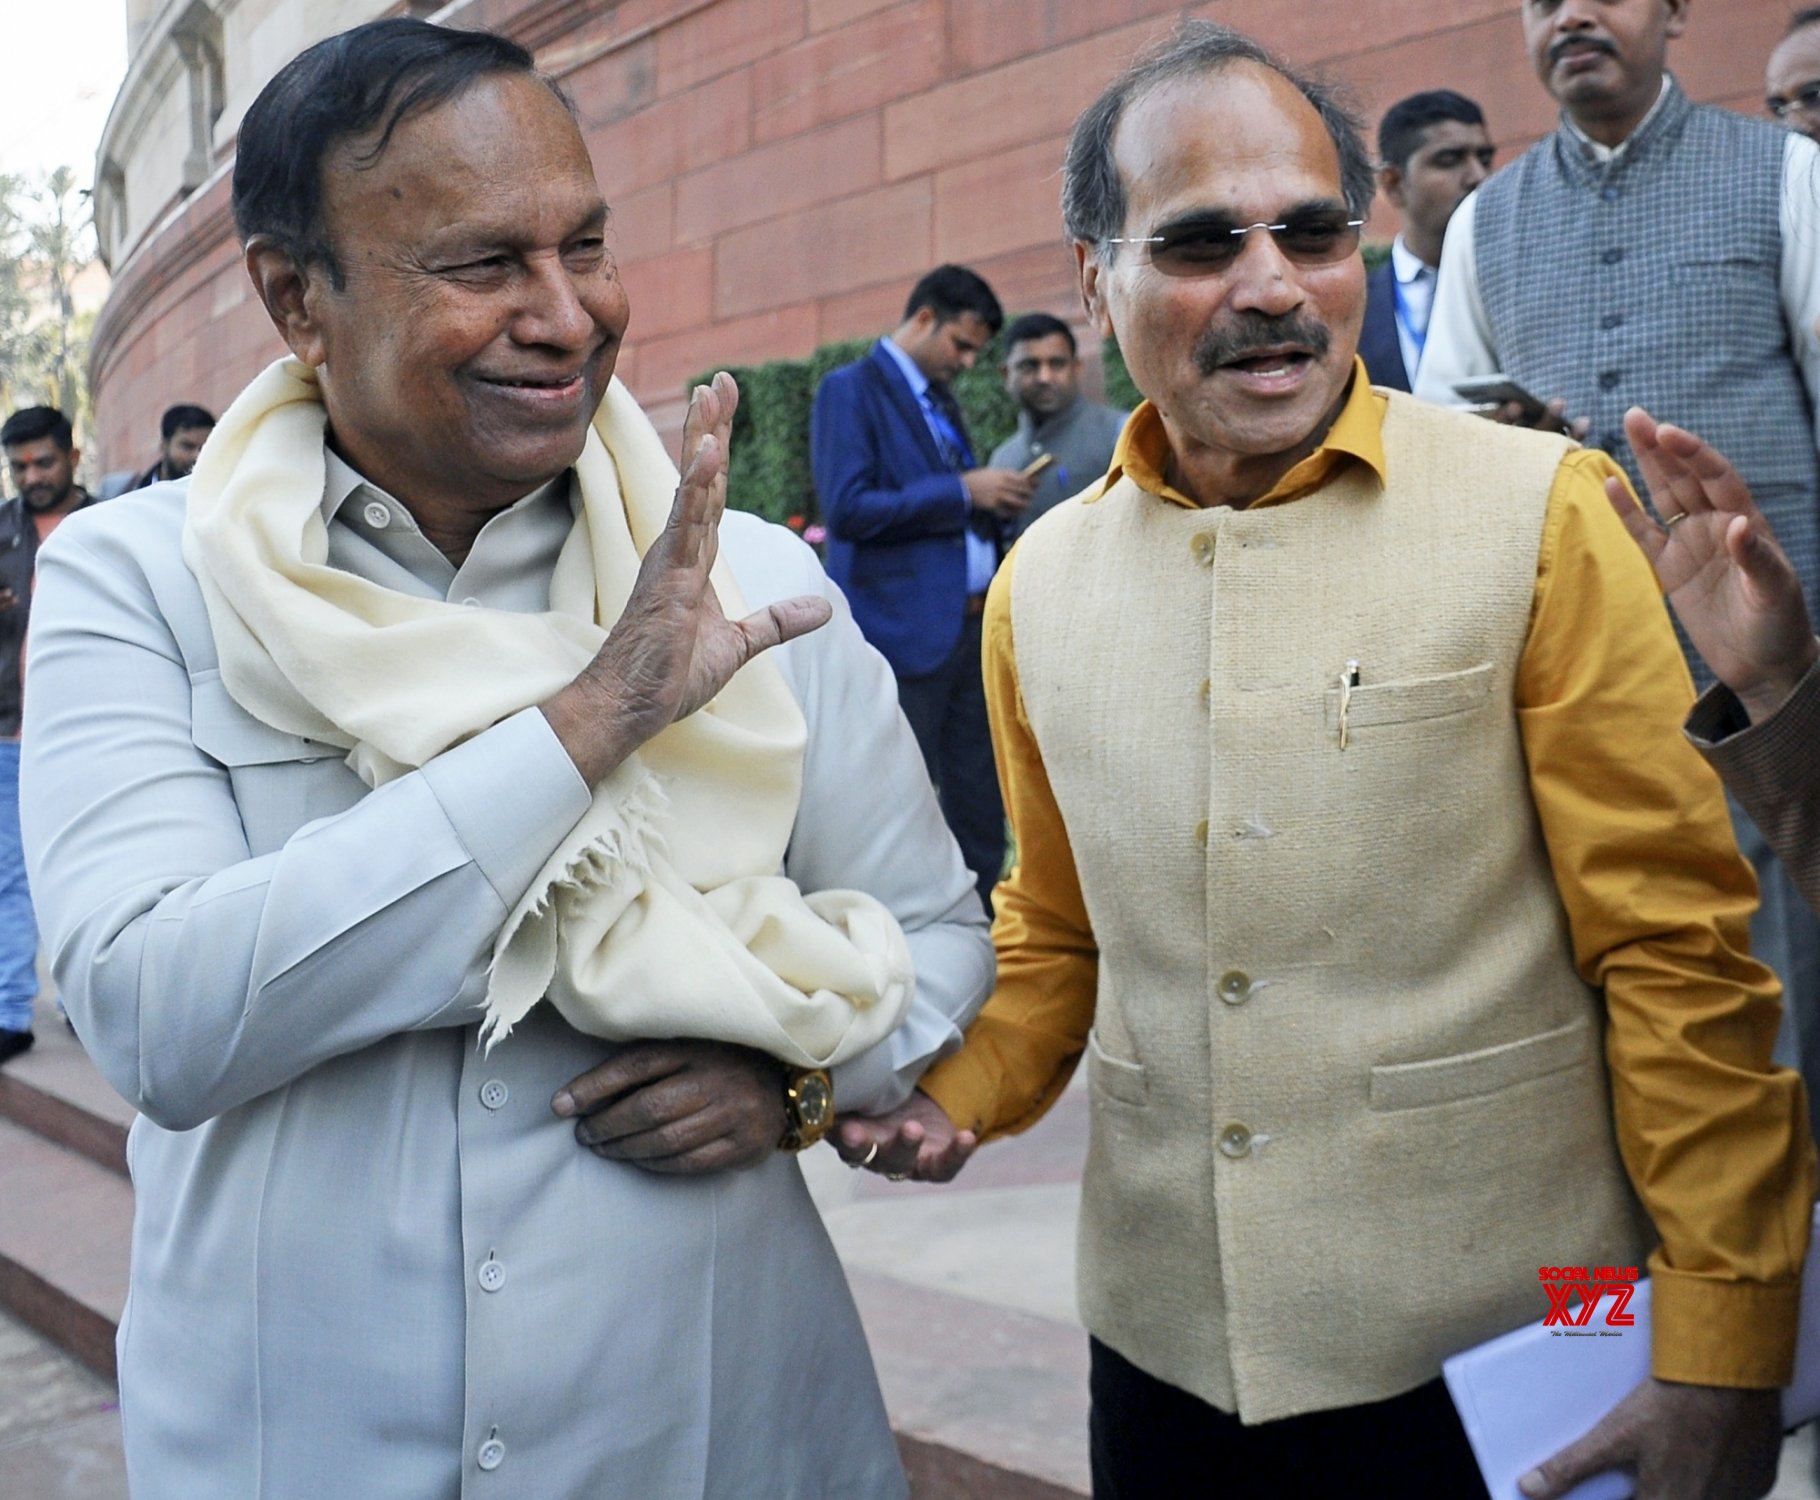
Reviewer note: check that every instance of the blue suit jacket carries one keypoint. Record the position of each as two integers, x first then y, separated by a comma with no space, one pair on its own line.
896,513
1379,345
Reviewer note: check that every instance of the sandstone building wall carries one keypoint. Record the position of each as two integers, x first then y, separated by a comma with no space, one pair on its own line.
779,170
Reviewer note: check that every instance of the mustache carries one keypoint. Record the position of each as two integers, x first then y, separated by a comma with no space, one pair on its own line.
1594,43
1249,333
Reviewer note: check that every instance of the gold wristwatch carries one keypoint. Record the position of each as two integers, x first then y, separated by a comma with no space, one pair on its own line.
808,1107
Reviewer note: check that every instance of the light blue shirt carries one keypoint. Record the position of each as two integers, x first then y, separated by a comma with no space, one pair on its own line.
1415,301
367,1258
982,556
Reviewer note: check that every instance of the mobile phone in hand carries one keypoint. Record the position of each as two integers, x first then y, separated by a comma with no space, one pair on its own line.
1501,390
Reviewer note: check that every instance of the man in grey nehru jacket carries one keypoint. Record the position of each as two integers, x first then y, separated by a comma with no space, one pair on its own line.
1657,253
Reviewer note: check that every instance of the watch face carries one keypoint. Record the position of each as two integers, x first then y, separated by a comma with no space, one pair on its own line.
814,1101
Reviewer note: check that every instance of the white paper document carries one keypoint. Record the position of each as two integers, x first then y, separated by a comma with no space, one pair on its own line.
1527,1395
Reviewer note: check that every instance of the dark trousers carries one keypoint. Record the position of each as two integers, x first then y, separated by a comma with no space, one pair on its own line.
947,713
1154,1441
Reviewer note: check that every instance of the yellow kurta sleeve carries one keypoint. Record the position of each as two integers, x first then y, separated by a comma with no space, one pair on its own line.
1659,901
1023,1046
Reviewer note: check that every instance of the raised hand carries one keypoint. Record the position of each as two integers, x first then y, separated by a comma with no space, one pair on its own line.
672,650
1731,586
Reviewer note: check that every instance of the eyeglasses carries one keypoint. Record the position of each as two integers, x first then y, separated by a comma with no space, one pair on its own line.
1206,247
1806,101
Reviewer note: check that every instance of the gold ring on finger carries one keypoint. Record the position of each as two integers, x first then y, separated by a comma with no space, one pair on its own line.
1669,523
869,1157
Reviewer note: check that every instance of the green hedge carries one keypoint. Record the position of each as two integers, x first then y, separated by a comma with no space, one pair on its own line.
771,474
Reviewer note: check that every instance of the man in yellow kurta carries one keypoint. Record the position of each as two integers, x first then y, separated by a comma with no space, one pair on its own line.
1360,852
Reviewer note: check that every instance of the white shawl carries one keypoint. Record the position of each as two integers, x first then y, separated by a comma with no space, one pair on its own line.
662,913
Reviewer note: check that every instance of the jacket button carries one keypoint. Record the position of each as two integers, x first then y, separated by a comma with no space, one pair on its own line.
1201,545
491,1455
1235,1141
1235,987
492,1276
494,1093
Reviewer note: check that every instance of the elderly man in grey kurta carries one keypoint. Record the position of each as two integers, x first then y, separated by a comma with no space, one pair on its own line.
372,1256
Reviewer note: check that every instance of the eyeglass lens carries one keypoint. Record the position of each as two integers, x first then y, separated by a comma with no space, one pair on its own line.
1806,99
1205,247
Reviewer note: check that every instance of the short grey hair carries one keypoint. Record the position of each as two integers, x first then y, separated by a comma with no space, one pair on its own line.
1093,194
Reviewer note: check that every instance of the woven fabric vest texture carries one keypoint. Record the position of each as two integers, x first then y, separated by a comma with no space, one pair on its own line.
1347,1089
1655,280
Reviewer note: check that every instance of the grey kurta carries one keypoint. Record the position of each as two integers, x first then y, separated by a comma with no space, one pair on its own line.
368,1260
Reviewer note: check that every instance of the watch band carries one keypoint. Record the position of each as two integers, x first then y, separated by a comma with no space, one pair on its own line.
808,1107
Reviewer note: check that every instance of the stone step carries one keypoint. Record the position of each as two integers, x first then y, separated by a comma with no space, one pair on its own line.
54,1091
65,1227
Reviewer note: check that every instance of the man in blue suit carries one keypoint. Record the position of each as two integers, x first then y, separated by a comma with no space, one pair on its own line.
1433,149
915,531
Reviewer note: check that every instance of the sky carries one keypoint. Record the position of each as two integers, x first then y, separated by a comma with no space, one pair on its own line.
68,60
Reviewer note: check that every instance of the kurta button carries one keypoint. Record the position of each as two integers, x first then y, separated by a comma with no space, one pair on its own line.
1200,833
1611,321
492,1276
378,517
1235,1141
1609,380
491,1455
1201,545
1235,987
1206,689
494,1094
1610,195
1612,256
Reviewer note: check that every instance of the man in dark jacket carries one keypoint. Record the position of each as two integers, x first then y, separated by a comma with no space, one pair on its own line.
181,433
41,456
916,527
1433,149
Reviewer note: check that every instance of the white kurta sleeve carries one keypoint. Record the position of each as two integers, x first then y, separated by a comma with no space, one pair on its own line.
1459,343
198,974
1800,280
869,821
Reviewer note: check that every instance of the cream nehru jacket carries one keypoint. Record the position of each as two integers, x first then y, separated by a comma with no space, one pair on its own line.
1348,1092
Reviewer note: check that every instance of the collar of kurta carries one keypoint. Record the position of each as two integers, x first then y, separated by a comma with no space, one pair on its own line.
1357,436
1034,429
1662,124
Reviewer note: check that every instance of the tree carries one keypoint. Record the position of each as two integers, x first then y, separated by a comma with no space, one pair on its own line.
46,241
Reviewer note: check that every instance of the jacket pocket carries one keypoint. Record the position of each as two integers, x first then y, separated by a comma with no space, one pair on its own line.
1113,1076
1468,1075
224,731
1413,700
